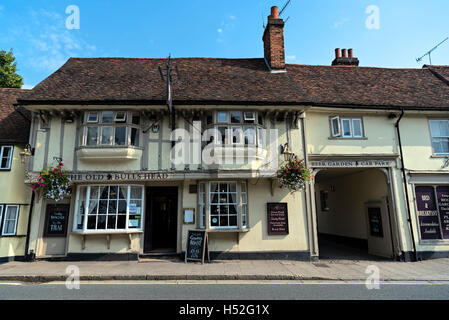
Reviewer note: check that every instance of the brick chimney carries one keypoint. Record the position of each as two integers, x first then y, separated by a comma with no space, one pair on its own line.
273,41
344,59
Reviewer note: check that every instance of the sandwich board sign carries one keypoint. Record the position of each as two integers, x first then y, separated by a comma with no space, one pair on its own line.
197,245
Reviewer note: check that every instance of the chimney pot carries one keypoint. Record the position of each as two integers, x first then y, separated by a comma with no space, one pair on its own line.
273,39
350,53
337,53
274,12
343,51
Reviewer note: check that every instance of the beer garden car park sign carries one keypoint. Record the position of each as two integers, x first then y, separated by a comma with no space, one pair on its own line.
352,163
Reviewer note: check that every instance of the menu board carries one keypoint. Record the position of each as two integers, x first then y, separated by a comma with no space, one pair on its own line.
197,245
443,207
56,220
375,222
277,218
427,213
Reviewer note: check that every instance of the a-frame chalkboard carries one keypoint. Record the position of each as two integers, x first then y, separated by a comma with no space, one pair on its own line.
197,246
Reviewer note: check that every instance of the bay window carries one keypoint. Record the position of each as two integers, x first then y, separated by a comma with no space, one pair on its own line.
237,127
110,128
222,205
109,207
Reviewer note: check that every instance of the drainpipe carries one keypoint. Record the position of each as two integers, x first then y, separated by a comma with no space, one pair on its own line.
308,193
29,257
404,179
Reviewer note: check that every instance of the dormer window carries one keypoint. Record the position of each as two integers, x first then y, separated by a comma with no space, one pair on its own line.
111,128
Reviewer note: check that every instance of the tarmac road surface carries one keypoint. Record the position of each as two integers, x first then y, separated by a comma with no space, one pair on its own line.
226,290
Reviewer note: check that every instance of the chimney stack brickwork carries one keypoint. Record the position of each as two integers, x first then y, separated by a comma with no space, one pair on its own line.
345,59
273,39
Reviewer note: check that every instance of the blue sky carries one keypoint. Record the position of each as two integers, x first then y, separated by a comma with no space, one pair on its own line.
36,31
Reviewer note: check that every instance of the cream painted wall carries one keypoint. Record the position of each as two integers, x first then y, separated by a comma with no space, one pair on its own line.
14,191
257,238
347,216
379,132
417,144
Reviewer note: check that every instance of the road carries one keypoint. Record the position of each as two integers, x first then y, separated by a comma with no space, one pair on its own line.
225,290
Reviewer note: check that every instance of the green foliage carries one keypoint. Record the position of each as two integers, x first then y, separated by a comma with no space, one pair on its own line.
8,76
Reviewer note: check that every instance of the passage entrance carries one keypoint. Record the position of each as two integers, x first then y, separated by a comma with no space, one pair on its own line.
161,220
353,214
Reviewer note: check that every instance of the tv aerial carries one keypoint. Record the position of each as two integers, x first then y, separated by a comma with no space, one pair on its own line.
280,13
428,53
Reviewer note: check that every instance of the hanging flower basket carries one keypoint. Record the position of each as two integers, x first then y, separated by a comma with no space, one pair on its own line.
294,175
54,183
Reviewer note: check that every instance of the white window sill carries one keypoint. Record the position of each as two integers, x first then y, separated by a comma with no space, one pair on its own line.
113,153
100,232
212,230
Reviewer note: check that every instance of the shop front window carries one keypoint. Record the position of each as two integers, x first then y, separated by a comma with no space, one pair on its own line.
432,204
222,204
106,207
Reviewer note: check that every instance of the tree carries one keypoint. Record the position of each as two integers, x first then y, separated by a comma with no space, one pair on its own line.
8,76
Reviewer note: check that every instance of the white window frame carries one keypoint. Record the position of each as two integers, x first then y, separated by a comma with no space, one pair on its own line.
120,119
92,121
224,204
251,118
106,230
4,216
437,137
9,163
127,123
339,130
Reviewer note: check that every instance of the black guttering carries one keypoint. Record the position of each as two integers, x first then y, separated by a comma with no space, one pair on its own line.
213,102
404,180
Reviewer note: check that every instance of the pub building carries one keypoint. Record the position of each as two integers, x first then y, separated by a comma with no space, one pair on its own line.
375,139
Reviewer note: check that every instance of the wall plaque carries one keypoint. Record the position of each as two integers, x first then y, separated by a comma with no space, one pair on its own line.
277,218
429,224
443,206
375,222
56,220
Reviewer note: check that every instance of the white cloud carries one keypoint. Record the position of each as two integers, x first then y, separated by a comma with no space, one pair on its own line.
339,23
27,86
220,30
291,58
232,17
51,42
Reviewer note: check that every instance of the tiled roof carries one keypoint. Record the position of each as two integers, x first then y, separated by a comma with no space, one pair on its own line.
238,81
14,128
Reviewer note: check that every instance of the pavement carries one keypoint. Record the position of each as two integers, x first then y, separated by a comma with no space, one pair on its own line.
175,269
